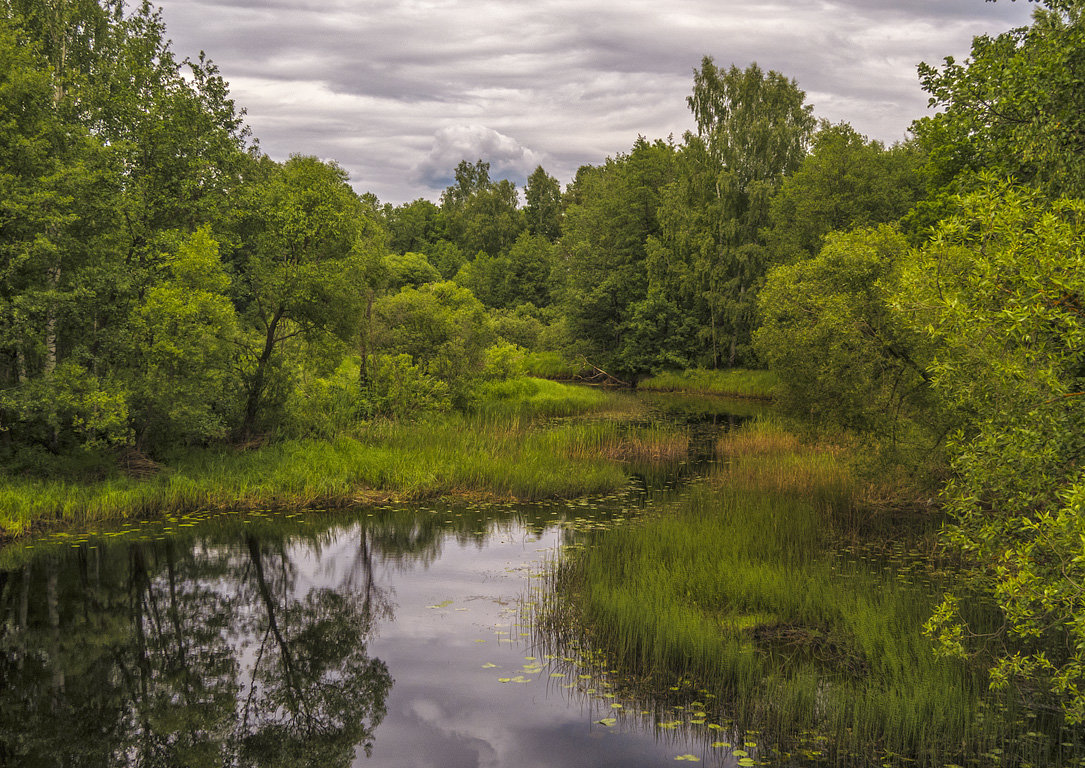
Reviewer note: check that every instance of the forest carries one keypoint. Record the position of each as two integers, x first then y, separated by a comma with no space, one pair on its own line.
168,291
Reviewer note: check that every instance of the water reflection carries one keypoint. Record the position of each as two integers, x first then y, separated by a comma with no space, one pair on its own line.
156,653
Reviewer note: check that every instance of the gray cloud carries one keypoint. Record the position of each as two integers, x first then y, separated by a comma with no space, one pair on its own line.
395,89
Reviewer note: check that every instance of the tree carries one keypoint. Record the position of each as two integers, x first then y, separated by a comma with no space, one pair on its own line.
602,260
542,209
1016,105
481,215
845,182
311,248
844,354
752,131
442,327
414,226
184,335
1000,290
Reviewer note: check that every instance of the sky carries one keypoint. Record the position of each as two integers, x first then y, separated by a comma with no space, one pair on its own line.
399,91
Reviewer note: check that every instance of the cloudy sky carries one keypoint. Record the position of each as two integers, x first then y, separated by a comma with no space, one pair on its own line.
399,91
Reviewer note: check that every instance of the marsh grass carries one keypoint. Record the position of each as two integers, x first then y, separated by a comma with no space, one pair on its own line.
742,585
506,453
736,382
537,397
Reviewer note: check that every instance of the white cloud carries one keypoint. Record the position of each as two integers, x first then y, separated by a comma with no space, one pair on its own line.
506,156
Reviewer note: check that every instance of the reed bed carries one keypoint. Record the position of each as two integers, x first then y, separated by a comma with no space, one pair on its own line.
739,586
550,365
537,397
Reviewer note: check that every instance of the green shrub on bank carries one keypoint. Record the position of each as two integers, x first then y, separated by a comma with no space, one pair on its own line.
738,382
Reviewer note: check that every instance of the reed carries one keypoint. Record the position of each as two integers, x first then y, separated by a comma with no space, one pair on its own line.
742,585
506,454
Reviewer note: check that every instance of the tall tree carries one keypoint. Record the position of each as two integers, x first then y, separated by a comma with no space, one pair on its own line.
753,129
481,215
542,208
846,181
602,264
312,246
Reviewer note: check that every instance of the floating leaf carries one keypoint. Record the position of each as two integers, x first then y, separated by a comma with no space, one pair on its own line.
615,706
718,744
607,721
689,758
444,604
488,665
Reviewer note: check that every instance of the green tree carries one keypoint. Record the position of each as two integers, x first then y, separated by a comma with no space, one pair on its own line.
846,181
844,354
481,215
542,205
1000,290
414,226
184,337
602,261
752,131
442,327
311,249
1016,105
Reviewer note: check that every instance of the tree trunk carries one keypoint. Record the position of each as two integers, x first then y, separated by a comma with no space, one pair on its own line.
256,388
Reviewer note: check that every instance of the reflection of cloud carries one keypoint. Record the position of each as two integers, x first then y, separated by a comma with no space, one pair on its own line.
375,84
507,157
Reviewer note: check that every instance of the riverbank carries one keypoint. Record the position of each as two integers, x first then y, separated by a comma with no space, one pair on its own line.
509,449
759,585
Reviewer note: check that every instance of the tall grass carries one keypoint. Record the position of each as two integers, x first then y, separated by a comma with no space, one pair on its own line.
508,457
530,396
736,585
738,382
550,365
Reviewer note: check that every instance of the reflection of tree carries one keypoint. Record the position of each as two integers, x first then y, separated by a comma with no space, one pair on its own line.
159,654
314,693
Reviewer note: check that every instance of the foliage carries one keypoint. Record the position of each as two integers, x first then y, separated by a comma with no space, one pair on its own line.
845,182
542,209
184,335
481,215
752,130
603,256
739,382
999,288
408,269
443,329
310,247
844,354
1015,106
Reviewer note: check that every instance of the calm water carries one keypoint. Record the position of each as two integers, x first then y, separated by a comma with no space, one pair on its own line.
390,637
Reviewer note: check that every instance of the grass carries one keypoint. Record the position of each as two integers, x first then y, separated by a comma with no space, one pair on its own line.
736,382
738,586
550,365
530,396
503,453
